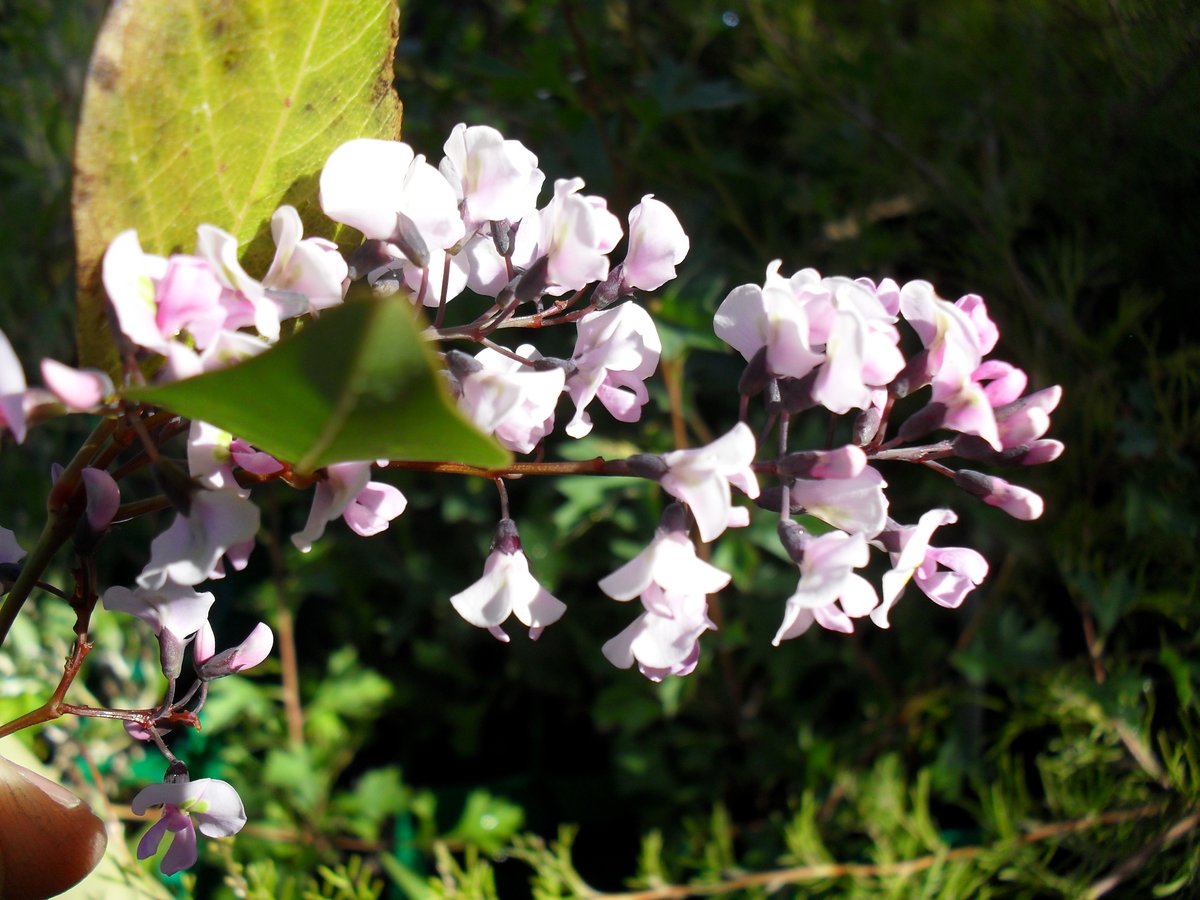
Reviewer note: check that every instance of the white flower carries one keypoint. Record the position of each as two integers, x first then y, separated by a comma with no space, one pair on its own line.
701,478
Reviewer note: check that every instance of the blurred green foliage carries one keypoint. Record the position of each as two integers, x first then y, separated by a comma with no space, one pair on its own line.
1040,741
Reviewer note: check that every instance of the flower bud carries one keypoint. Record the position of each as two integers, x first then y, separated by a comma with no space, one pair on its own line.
756,375
674,518
177,486
926,419
794,539
407,237
502,237
844,462
170,654
1018,502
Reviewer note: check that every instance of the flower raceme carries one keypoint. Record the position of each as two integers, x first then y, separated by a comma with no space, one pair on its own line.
852,351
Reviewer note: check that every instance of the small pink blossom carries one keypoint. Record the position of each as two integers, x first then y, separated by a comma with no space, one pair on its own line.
702,478
249,653
310,267
79,390
751,318
376,186
857,504
188,551
829,592
493,178
507,588
12,390
657,244
510,400
174,608
946,575
616,350
664,639
347,491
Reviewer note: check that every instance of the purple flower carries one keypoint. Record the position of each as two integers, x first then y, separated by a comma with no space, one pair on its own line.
829,592
213,807
946,574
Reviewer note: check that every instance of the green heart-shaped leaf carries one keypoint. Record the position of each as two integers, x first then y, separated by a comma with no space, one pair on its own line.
356,384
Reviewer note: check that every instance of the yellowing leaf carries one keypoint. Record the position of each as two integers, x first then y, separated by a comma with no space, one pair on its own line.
218,111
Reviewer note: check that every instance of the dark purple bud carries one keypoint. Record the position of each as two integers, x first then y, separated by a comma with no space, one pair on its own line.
913,377
866,425
177,486
756,375
546,363
674,518
170,654
502,237
794,539
977,484
610,290
462,364
772,498
367,257
408,238
646,465
177,772
926,419
9,572
506,540
532,283
797,393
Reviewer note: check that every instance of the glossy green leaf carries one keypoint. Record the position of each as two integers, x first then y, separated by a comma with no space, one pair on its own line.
215,111
356,384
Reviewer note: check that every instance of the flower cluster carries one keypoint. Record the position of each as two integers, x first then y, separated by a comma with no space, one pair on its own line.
898,375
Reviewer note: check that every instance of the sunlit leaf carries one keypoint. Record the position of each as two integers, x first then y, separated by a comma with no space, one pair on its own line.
196,112
356,384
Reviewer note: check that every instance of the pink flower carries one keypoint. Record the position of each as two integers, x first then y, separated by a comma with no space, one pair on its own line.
494,179
249,653
946,575
507,588
213,807
188,552
670,564
829,592
366,506
312,268
1018,502
389,193
574,232
673,584
657,244
12,390
616,351
702,478
663,640
174,608
772,316
511,400
79,390
856,504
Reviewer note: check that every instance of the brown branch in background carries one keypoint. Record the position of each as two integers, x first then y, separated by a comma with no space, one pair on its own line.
1135,862
285,633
